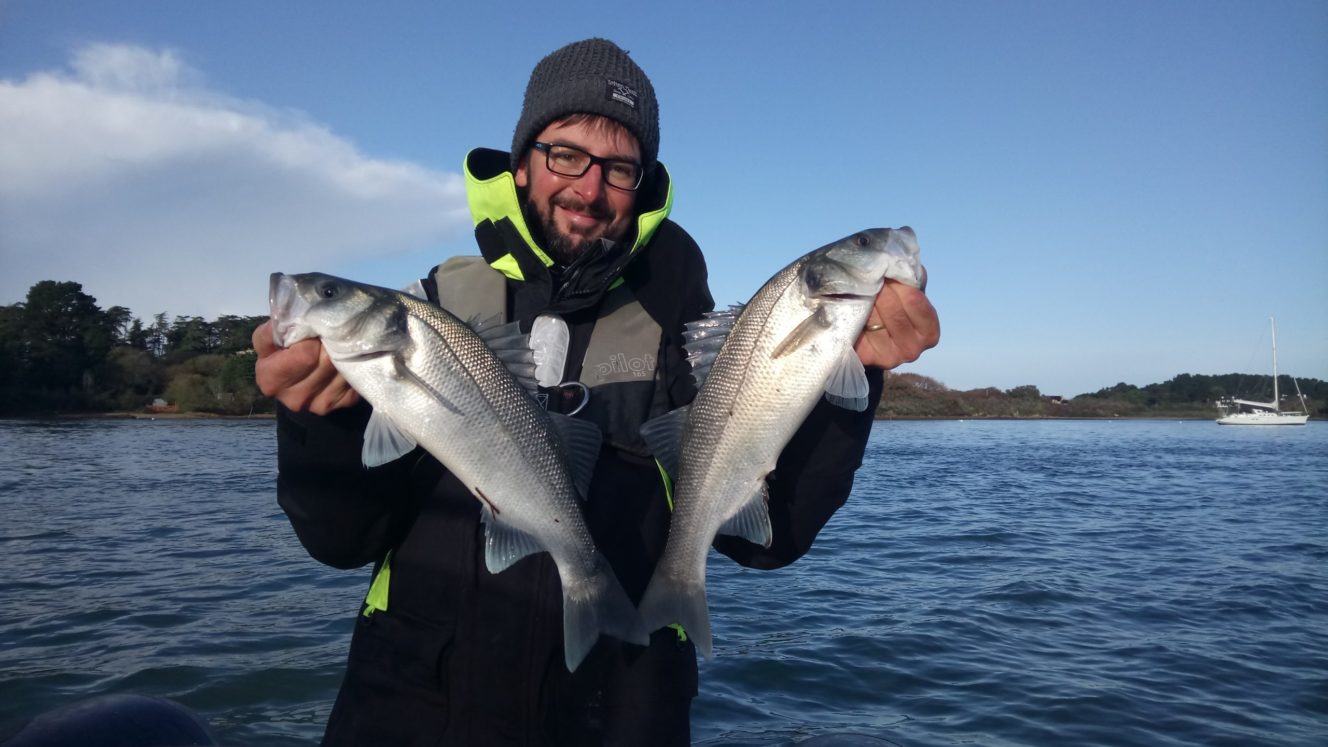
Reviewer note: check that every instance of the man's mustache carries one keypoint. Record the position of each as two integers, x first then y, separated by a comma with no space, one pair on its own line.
596,209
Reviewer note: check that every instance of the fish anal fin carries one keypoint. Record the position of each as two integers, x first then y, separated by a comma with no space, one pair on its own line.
752,521
503,543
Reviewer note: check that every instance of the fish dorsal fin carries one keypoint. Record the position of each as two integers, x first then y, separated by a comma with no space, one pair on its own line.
582,440
512,346
802,334
847,385
663,436
384,441
548,342
705,336
752,522
504,544
416,289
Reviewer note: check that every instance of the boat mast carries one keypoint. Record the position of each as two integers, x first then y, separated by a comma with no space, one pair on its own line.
1277,404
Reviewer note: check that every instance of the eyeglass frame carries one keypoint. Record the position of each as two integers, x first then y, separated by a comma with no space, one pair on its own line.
603,163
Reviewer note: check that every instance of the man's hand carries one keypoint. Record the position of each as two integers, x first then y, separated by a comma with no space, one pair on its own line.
902,324
301,376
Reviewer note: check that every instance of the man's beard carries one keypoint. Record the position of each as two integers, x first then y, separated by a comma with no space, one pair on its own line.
564,249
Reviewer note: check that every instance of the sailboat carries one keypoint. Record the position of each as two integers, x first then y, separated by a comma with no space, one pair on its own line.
1246,412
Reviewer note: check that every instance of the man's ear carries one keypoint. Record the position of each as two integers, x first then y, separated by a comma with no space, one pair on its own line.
523,171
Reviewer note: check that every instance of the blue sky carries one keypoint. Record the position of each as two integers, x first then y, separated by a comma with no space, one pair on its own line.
1103,192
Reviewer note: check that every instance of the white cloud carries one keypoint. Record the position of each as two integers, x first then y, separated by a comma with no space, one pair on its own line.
126,174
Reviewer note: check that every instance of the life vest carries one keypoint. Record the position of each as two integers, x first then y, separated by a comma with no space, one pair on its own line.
619,369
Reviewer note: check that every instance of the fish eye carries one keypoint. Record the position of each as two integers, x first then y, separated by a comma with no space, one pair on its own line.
328,290
862,240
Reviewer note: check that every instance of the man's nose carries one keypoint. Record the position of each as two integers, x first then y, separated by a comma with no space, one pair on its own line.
590,185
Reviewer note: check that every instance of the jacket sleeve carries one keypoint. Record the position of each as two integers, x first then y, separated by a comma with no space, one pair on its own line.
812,480
344,514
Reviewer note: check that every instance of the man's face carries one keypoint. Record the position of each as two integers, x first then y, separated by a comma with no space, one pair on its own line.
577,211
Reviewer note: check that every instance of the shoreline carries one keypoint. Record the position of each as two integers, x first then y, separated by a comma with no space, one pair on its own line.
123,415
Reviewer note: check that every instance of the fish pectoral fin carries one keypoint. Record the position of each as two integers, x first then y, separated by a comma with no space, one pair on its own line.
582,439
847,385
404,373
808,330
504,544
663,436
384,441
752,521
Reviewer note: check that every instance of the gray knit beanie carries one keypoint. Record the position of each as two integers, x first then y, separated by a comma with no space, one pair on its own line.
594,76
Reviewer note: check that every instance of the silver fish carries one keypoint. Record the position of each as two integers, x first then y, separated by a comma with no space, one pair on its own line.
762,367
434,381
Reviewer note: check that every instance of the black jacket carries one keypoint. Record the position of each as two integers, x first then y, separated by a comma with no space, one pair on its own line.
465,657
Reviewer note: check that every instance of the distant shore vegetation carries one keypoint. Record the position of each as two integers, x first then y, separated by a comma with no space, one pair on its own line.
62,354
910,395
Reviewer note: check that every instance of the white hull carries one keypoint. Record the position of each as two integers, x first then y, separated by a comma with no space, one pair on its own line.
1264,418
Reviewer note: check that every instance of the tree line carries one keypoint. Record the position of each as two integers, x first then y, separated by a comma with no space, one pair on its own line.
60,352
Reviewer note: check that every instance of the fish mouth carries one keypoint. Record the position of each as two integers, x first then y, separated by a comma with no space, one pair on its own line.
281,297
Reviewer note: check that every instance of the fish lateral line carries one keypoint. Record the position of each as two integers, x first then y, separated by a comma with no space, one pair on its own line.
492,506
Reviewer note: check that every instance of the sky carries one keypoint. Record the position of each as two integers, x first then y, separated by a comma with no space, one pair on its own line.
1103,192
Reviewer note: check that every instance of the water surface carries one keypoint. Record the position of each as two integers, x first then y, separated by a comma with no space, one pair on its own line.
989,583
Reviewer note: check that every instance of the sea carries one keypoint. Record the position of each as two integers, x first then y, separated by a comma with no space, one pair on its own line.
1034,582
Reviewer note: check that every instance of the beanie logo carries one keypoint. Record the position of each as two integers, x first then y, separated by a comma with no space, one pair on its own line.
622,93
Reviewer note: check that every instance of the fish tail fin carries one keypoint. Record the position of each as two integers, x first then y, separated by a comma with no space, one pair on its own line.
597,605
673,600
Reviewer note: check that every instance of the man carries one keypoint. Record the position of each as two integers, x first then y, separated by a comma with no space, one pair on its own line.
572,225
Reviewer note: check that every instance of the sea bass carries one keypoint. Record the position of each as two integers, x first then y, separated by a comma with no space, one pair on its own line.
434,381
761,367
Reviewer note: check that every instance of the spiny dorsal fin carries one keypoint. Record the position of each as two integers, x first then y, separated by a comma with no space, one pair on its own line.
416,289
512,346
705,336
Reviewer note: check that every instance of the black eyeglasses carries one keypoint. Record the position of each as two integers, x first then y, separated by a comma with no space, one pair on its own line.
565,160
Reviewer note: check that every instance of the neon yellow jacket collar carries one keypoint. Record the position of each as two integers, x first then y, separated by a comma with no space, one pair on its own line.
492,194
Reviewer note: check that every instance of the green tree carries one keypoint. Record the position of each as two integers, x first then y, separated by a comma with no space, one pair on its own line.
133,378
65,335
189,336
234,334
194,384
11,357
